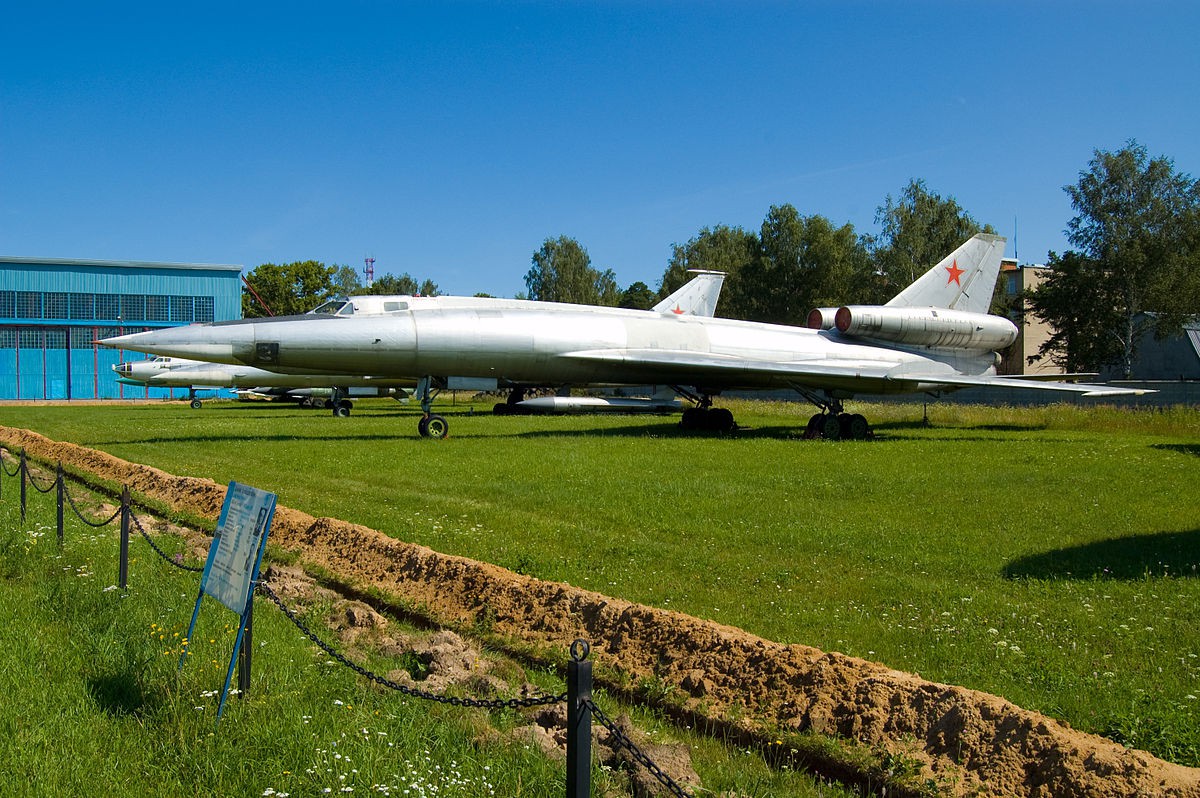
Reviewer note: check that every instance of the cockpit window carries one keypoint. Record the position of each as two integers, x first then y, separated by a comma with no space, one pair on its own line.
333,307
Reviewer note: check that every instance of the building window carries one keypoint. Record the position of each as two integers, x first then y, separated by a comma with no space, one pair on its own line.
133,307
56,305
158,308
29,338
204,308
181,308
82,337
8,304
8,338
108,306
29,305
56,338
83,306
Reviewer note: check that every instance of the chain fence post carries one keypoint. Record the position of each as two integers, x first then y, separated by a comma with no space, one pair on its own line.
579,721
123,568
245,655
61,483
24,475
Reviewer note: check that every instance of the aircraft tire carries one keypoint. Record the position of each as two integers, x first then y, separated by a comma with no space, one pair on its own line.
693,418
720,420
341,411
857,428
813,429
830,428
435,427
501,409
195,404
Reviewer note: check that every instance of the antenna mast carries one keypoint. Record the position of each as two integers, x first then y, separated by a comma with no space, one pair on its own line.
370,270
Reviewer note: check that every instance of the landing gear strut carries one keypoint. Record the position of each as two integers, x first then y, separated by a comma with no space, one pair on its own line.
340,404
704,416
430,425
833,422
511,406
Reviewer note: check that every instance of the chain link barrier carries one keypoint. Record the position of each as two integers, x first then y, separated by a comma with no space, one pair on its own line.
79,513
645,761
29,476
171,560
16,468
510,703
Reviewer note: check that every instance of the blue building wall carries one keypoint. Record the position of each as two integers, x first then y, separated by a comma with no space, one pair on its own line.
52,311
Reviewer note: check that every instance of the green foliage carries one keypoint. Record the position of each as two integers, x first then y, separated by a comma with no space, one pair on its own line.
917,230
1080,308
562,272
637,296
404,285
724,249
344,281
1137,227
798,262
805,263
288,289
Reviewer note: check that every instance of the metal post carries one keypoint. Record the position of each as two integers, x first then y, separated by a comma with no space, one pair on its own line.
24,476
61,483
579,721
245,655
123,579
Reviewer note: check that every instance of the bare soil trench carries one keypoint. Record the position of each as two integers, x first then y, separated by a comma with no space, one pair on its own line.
965,741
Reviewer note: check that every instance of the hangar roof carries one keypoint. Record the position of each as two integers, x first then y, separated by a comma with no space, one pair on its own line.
122,264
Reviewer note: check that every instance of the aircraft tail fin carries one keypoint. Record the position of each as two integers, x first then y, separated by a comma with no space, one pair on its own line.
963,280
697,297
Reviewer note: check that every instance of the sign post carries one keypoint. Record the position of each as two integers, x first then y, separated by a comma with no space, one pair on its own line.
232,565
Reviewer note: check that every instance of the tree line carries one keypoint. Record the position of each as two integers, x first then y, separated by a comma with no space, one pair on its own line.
1134,267
287,289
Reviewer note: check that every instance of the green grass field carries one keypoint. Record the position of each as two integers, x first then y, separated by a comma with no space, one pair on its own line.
95,703
1045,554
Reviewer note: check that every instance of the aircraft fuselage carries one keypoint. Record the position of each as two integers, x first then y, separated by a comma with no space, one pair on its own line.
545,344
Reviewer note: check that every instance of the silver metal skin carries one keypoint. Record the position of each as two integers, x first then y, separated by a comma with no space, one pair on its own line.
547,344
167,372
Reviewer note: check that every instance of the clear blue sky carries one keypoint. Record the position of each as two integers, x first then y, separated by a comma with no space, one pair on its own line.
449,140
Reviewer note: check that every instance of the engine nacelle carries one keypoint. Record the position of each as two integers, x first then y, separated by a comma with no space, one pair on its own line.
821,318
938,327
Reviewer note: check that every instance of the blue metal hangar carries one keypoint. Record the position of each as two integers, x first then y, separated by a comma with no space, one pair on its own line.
52,312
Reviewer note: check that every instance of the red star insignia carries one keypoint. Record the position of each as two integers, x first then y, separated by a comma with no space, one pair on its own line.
954,273
678,311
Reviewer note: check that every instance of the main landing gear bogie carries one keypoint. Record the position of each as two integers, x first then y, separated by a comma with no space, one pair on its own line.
838,426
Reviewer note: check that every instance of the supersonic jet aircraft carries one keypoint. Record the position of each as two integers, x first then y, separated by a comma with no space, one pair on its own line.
934,336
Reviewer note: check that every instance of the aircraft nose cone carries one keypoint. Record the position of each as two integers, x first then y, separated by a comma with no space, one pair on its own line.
124,369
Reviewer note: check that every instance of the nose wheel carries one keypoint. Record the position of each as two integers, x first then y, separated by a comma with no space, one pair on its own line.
431,425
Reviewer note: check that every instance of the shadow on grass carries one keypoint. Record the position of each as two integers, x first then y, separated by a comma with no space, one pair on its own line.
1162,554
1182,448
120,694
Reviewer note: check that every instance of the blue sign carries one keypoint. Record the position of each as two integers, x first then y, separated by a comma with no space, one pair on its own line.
234,558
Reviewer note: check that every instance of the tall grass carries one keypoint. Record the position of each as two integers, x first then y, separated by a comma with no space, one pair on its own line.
95,703
1047,554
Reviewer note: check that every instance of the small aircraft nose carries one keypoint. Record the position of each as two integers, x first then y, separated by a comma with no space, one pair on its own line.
122,369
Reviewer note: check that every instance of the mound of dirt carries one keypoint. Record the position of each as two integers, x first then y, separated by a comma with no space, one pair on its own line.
967,741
